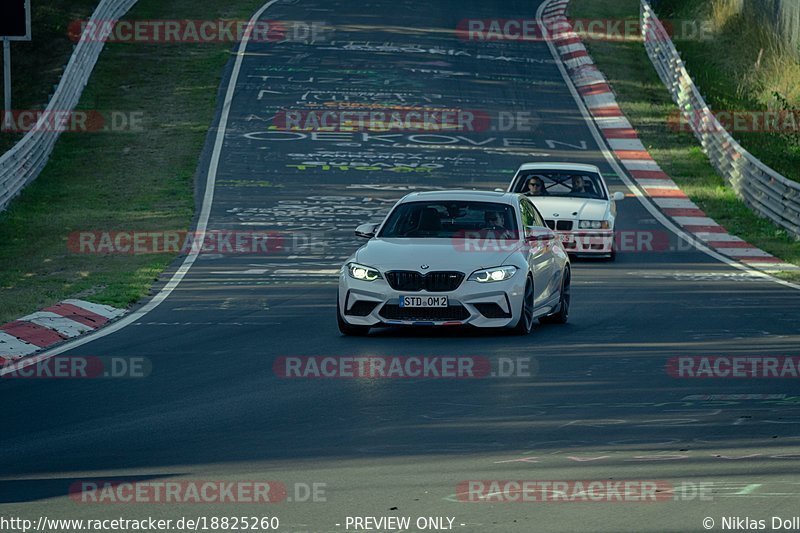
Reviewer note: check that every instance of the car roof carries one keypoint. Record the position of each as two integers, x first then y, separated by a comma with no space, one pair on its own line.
560,166
463,196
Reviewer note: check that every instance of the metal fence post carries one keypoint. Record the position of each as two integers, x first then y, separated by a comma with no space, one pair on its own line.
6,124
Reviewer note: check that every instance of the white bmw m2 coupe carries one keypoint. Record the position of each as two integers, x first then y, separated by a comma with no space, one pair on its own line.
448,258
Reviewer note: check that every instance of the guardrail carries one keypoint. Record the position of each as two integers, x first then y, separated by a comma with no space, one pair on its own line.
765,191
25,160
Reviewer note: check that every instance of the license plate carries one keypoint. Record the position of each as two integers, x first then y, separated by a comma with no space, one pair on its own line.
423,301
566,237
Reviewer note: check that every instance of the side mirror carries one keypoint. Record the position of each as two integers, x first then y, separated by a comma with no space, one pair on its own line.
618,196
536,234
366,231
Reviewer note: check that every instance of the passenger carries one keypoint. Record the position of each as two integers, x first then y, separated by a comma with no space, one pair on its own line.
582,186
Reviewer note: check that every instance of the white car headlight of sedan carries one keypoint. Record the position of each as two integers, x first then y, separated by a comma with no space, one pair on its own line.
593,224
492,275
363,273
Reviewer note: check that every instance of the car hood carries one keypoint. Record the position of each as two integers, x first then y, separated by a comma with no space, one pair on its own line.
438,254
556,208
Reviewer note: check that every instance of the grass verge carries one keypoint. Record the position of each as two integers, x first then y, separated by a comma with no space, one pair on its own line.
744,66
36,65
132,181
648,105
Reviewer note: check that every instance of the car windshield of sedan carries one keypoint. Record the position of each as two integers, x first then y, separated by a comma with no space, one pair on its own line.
450,220
566,184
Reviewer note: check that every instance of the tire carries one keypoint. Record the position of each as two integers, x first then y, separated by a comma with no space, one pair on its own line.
525,323
349,329
562,315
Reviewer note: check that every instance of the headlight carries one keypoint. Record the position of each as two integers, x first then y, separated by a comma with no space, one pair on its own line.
593,224
363,273
491,275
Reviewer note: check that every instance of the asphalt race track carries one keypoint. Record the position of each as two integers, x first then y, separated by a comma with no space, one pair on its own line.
598,404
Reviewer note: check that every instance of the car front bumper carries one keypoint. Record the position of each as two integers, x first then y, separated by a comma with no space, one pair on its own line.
588,242
483,305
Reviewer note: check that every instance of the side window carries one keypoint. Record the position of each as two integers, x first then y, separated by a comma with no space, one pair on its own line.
530,216
517,183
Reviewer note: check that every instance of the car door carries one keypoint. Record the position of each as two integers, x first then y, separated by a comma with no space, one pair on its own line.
554,263
540,255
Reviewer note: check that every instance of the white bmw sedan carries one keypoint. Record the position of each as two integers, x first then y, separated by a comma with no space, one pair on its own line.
575,202
443,258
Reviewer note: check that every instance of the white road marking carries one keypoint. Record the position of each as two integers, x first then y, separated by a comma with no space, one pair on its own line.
615,123
641,164
98,309
744,252
598,100
695,221
578,61
657,184
717,237
252,271
777,267
577,47
626,144
589,75
11,345
58,323
296,272
675,203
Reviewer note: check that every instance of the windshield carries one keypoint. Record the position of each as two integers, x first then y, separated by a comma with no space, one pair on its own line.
445,219
567,184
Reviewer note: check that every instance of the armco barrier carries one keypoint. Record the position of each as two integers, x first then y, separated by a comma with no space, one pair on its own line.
768,193
23,163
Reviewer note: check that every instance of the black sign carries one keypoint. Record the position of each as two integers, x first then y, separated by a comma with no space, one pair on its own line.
13,18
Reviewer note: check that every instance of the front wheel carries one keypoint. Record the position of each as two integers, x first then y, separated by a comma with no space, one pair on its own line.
349,329
525,323
562,315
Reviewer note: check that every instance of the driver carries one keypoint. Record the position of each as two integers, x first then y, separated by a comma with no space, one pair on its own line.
494,220
536,187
